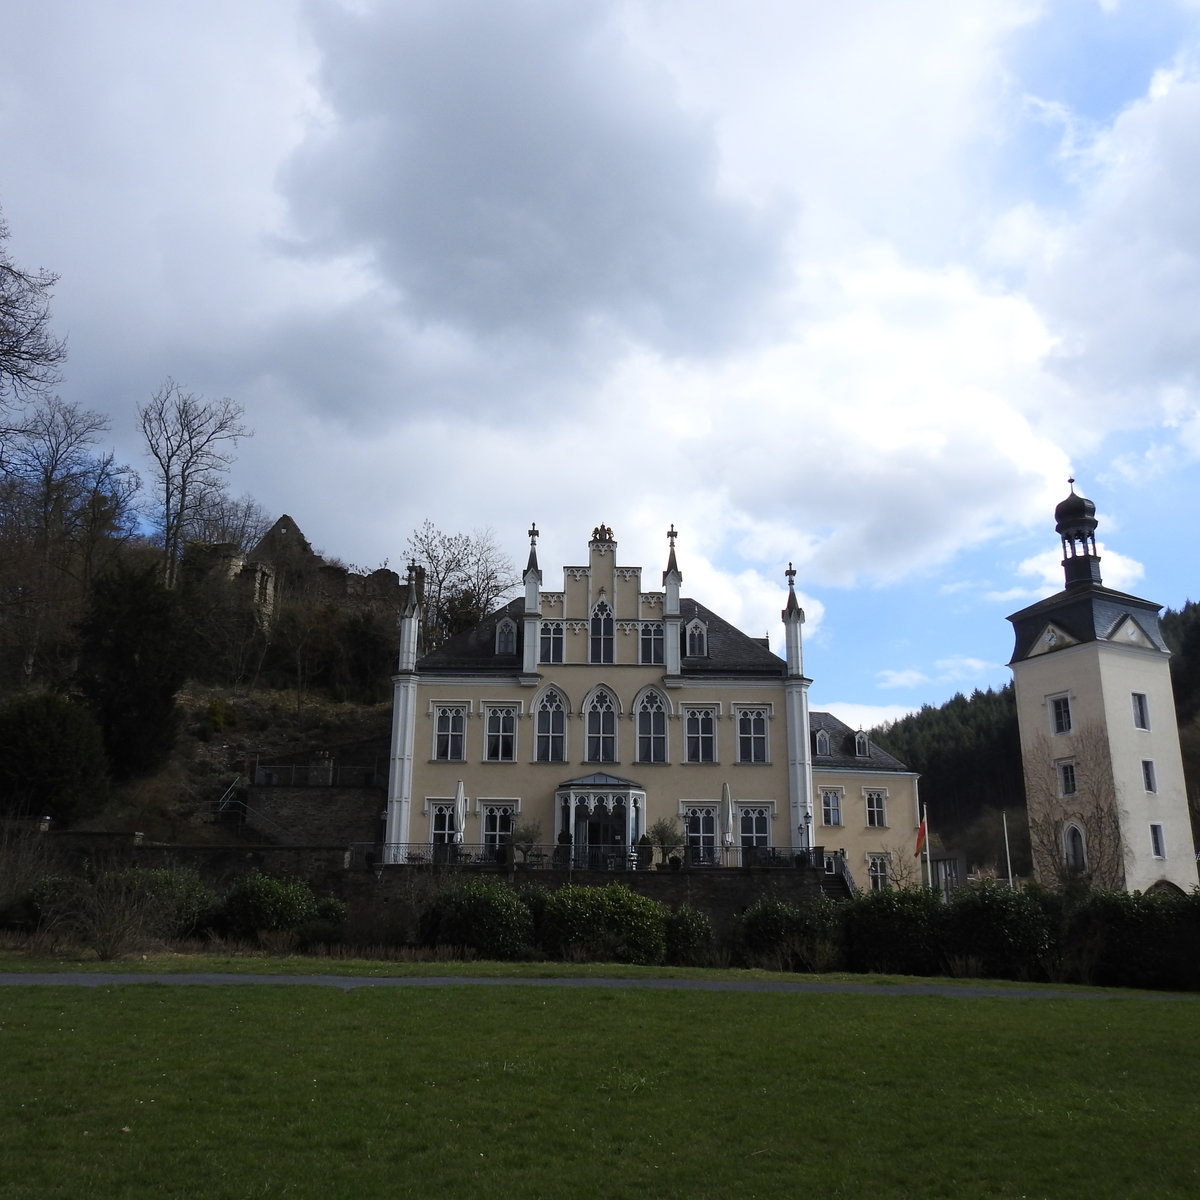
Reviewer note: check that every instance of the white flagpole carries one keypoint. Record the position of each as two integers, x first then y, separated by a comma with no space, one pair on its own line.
1007,853
928,864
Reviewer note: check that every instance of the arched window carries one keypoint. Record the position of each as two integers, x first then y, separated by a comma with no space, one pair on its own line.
1074,849
652,729
506,637
697,640
822,741
862,747
602,728
602,633
552,728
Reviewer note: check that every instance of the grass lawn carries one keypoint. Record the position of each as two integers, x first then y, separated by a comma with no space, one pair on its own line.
255,1091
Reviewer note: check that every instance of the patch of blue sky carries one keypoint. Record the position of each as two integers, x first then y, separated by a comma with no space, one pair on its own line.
1096,60
1072,73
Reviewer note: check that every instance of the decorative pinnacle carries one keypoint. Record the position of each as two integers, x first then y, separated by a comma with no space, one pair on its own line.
791,575
533,532
672,535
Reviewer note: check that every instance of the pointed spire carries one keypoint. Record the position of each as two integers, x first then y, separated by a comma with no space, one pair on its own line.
532,564
412,599
672,565
793,609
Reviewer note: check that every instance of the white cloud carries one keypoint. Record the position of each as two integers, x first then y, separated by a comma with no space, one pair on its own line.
901,679
866,716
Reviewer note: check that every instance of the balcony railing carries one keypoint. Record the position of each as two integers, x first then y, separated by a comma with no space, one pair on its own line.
562,857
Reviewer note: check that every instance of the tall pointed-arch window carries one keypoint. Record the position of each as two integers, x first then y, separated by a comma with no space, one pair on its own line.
602,728
506,637
822,741
552,728
696,644
1076,851
652,729
602,633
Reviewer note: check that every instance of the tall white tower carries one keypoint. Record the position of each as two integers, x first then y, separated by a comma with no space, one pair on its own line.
1099,739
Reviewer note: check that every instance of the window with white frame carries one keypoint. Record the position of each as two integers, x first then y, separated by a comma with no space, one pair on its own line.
1158,844
877,872
602,728
500,723
1068,784
754,822
450,725
441,821
601,634
752,734
822,741
696,639
862,746
506,637
497,823
651,643
877,808
1060,714
831,806
552,728
700,731
1141,710
652,729
1149,782
550,649
700,829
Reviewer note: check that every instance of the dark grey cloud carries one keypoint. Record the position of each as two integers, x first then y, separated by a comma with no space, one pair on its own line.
516,170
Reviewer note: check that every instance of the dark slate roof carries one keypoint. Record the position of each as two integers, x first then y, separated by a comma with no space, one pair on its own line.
602,780
730,652
841,747
1088,614
474,649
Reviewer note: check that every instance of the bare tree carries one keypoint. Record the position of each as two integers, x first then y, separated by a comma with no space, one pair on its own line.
30,355
65,507
1074,818
190,441
221,518
466,576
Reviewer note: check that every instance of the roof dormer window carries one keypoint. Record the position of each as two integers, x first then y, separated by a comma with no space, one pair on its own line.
506,637
696,639
862,746
822,741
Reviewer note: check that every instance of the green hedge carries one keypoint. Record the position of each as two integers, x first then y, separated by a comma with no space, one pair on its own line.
608,924
486,916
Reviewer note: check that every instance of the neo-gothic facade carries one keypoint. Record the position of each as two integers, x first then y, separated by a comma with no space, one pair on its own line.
598,709
1099,739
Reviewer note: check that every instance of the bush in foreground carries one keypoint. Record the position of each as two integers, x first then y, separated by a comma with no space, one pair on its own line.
608,924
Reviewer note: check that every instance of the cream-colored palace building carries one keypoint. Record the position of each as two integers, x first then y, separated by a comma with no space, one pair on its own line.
1099,740
598,709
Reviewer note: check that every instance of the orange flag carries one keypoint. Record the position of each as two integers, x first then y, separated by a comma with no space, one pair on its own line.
920,838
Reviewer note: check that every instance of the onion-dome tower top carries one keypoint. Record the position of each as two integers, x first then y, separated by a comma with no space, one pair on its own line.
1075,521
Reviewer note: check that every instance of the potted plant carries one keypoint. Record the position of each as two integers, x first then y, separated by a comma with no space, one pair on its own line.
666,835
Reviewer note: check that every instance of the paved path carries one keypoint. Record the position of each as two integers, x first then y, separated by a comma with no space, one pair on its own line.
350,982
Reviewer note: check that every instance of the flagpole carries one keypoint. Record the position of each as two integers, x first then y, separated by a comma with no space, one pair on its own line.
928,864
1007,852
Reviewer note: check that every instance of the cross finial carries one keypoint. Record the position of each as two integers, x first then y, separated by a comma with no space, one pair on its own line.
672,535
533,532
791,575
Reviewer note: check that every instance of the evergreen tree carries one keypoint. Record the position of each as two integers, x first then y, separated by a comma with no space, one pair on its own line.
132,664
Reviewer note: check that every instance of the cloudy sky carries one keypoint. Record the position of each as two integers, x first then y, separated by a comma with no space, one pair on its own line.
855,286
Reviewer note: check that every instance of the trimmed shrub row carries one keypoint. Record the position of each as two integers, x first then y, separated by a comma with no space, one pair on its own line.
1117,939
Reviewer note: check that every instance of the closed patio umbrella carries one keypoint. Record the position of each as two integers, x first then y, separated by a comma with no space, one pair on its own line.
460,812
727,814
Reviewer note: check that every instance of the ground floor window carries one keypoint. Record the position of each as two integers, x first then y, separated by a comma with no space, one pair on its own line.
497,824
443,823
700,826
877,872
